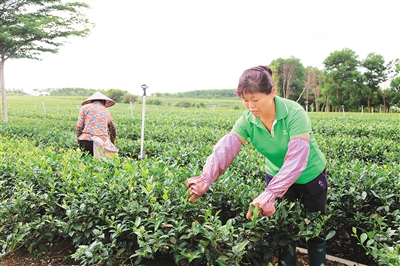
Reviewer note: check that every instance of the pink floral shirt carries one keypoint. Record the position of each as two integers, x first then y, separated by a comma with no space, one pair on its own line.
95,120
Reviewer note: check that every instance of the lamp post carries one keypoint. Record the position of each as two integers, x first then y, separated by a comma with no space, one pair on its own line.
142,151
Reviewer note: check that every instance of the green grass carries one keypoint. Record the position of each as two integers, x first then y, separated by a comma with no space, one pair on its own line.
74,102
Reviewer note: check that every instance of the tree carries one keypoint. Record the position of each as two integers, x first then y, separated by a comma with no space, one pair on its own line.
385,94
326,94
343,80
393,71
31,27
115,94
128,98
319,81
314,83
288,76
185,104
288,70
152,101
374,75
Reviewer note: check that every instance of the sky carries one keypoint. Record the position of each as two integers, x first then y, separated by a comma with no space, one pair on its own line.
185,45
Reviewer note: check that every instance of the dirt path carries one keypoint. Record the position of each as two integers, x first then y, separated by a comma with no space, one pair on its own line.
57,257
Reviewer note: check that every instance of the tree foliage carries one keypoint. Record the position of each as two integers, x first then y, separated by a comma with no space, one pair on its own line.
116,94
393,70
344,80
289,77
29,28
201,94
312,87
374,75
351,83
129,98
67,92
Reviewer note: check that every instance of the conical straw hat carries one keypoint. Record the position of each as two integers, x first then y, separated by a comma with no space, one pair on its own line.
99,96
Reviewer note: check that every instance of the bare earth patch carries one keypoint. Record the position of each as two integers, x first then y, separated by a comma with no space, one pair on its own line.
59,256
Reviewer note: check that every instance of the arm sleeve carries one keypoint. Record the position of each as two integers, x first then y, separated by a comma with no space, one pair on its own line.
112,131
81,122
224,152
295,162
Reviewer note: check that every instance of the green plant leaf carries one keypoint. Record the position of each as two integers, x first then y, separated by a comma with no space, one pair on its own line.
331,234
363,237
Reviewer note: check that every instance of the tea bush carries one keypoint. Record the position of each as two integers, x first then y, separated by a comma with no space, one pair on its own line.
125,210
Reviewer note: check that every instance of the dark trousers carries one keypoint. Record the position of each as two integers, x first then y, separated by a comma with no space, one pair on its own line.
312,195
86,145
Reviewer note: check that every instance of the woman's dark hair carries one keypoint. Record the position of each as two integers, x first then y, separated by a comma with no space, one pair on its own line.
255,79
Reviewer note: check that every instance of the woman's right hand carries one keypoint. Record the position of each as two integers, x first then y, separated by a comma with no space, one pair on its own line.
198,186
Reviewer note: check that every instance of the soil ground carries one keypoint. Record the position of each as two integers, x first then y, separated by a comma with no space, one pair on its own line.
59,256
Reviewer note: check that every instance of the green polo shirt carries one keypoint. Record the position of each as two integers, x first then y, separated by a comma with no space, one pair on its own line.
291,120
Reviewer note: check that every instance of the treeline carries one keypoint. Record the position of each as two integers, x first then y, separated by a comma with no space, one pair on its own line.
117,95
16,91
200,94
346,83
121,96
66,91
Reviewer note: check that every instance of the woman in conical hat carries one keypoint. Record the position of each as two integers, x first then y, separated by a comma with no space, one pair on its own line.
95,126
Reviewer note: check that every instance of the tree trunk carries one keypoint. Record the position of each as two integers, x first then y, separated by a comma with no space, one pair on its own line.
287,78
384,103
317,107
3,92
328,107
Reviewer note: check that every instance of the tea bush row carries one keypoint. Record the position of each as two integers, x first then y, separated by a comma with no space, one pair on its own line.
127,210
49,196
125,207
370,138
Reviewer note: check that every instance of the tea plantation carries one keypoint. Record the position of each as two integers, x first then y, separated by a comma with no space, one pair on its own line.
124,210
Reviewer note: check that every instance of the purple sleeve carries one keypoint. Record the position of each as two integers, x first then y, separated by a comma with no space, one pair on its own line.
223,155
112,131
295,162
81,122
